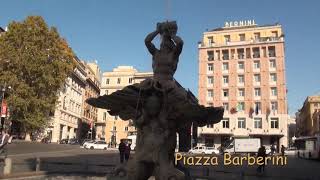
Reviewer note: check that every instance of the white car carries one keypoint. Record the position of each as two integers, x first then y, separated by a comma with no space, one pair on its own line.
97,145
291,151
204,150
84,145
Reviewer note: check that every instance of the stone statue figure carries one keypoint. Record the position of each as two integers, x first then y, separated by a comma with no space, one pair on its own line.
160,108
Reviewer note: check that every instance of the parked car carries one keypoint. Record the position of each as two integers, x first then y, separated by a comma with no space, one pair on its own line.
63,141
97,145
82,141
203,150
291,151
73,141
84,145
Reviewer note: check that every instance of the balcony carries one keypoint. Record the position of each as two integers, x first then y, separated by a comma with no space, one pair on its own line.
237,43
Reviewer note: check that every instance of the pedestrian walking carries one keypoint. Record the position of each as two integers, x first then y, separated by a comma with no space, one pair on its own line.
273,149
282,150
127,152
122,147
262,153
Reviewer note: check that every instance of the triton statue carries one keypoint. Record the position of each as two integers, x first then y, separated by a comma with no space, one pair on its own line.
160,108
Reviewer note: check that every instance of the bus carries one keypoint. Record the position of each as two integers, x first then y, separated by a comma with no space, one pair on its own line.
308,147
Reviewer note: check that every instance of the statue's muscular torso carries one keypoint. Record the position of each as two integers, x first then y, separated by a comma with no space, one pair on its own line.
164,65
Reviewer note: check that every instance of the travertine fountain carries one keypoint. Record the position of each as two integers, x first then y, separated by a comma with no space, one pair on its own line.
160,108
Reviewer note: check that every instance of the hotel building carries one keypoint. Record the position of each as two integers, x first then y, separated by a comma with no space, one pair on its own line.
242,68
115,129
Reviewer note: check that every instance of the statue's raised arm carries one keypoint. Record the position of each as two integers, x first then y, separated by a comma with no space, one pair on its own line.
179,44
148,42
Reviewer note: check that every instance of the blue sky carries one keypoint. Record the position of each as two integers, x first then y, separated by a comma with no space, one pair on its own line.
112,32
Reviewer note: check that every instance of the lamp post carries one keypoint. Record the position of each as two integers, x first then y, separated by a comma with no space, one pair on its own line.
4,107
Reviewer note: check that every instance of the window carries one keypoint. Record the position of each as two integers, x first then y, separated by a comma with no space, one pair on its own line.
241,65
240,53
240,106
114,128
226,106
257,78
274,33
108,81
106,92
126,128
256,64
273,77
257,36
210,93
257,92
274,122
210,55
256,52
272,63
119,80
225,54
225,66
225,79
241,92
210,126
242,37
225,93
274,91
210,80
210,41
227,38
210,67
274,106
130,80
257,123
272,51
257,107
225,123
241,79
242,123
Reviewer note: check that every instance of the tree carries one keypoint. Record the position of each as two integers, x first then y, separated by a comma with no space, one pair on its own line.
35,61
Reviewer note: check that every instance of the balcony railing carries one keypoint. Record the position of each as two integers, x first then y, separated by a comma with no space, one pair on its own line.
235,43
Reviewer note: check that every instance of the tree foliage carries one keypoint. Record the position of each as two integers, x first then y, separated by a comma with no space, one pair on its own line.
35,61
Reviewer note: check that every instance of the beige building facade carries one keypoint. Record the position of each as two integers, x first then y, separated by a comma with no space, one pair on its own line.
69,111
308,117
112,128
92,90
242,68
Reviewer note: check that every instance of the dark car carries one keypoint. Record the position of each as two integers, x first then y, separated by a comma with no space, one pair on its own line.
63,141
73,141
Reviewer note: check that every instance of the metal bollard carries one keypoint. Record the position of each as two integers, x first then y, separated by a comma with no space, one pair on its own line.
38,164
7,166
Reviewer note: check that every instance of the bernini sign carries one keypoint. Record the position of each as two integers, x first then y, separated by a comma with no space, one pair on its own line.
239,23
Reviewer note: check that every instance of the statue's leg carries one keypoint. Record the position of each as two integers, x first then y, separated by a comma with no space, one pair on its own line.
165,170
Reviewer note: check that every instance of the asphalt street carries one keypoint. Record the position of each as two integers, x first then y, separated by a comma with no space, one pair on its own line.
64,158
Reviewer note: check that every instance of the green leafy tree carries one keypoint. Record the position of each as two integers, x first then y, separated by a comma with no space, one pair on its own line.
35,61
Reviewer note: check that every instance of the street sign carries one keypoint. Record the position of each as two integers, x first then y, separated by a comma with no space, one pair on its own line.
4,108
